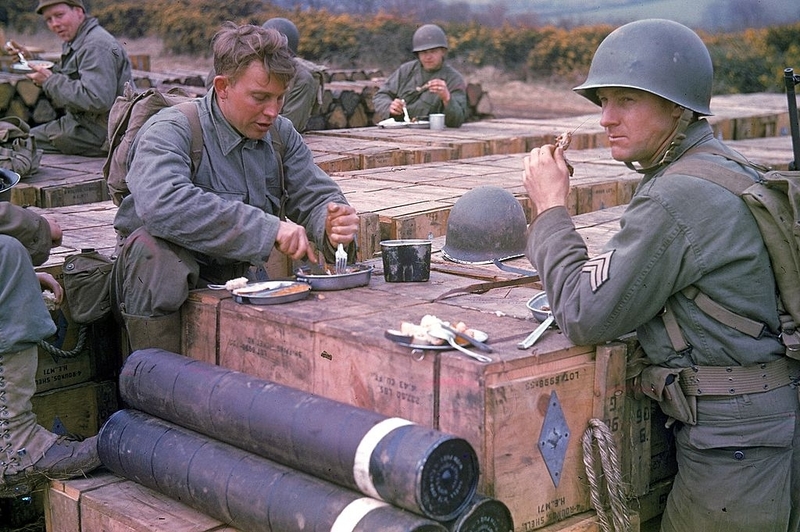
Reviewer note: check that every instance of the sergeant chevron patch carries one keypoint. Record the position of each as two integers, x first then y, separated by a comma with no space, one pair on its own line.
597,268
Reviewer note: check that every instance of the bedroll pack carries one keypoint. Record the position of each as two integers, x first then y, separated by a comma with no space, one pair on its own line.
127,116
18,151
774,201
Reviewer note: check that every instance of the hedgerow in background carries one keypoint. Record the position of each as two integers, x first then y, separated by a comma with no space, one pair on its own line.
747,61
566,53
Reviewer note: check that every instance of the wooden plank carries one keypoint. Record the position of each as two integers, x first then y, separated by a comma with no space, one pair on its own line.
129,507
62,500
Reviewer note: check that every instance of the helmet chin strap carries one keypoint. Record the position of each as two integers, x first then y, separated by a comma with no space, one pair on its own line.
677,138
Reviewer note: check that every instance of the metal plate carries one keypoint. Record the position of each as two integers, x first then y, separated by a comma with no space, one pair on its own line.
554,438
262,293
392,123
357,275
401,339
21,67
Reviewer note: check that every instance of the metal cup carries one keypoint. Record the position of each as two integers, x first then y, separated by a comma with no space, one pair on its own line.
406,261
436,121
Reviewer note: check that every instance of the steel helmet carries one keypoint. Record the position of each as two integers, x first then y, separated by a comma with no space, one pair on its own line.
427,37
659,56
486,224
287,27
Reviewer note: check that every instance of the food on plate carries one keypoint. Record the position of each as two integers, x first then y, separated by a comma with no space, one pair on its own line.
419,332
233,284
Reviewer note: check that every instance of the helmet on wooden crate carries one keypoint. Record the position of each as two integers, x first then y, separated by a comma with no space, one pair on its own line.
658,56
286,27
485,224
427,37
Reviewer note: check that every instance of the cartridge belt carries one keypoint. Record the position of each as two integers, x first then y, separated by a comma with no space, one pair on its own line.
737,380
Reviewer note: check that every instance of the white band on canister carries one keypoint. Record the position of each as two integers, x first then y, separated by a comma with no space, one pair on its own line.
364,452
354,512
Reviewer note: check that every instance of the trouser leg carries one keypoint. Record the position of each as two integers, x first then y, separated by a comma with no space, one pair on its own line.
30,454
151,280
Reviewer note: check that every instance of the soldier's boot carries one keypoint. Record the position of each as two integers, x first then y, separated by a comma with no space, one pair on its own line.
29,454
161,332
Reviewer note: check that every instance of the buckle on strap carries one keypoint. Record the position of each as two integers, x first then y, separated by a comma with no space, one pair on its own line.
735,380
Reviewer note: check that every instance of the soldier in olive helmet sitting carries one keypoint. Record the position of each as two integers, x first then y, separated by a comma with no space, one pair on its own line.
426,85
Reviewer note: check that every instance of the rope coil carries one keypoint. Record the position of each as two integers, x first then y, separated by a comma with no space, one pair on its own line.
72,353
598,432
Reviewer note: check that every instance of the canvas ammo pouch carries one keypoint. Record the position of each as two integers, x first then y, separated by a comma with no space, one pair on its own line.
663,385
87,283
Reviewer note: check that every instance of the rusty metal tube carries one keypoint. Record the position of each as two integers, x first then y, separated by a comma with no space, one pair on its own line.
483,514
391,459
237,487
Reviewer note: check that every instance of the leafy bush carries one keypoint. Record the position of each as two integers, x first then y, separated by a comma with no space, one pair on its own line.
746,61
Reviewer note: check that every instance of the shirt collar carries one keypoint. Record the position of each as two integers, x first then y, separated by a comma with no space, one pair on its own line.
229,138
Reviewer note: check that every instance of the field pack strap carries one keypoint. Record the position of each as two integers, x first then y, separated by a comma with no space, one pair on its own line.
189,109
738,380
735,182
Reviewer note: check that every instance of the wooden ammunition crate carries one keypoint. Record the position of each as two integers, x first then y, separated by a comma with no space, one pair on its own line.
81,409
104,501
62,363
332,344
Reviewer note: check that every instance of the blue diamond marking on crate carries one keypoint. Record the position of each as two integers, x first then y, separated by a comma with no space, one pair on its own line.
554,438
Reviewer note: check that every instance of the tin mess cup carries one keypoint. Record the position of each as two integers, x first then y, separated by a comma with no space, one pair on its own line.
406,261
436,121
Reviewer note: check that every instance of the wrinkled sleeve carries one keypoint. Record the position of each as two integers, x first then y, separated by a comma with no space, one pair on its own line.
309,188
29,228
386,94
95,89
172,207
455,113
599,300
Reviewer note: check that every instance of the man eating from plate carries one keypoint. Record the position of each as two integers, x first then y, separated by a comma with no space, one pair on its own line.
93,70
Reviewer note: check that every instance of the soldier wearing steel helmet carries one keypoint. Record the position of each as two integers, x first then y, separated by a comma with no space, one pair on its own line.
738,447
425,85
93,71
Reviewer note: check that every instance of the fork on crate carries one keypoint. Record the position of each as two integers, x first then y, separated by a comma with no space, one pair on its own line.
341,260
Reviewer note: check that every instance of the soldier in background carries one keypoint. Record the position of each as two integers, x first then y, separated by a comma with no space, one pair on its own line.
426,85
93,70
305,92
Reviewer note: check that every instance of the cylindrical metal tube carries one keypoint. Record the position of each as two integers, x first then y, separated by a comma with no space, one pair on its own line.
391,459
483,514
237,487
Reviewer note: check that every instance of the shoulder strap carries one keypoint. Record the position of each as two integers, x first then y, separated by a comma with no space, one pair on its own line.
732,180
735,182
280,150
189,109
